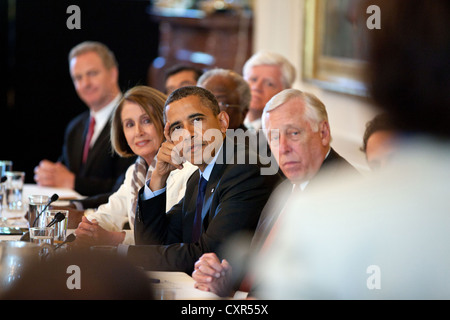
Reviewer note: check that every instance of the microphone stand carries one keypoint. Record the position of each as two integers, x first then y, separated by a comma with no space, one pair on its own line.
52,199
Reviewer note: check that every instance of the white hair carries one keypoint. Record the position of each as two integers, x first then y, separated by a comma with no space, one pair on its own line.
315,110
288,72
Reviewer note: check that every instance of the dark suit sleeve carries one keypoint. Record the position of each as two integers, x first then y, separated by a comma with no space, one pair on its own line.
152,224
235,207
91,185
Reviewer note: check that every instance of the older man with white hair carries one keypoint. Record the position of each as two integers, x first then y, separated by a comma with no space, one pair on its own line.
267,73
298,132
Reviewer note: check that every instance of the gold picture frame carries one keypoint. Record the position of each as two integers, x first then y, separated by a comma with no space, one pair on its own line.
334,46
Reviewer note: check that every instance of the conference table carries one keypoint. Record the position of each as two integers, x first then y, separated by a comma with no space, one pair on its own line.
16,218
166,285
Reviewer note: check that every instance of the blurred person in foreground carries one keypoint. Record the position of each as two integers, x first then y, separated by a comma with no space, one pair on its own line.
136,129
267,73
387,236
299,136
87,163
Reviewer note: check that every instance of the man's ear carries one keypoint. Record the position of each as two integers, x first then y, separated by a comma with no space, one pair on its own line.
224,121
325,133
114,74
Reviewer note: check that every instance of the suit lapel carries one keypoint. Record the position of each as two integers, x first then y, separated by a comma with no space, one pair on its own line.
78,143
98,146
189,205
209,193
212,185
271,211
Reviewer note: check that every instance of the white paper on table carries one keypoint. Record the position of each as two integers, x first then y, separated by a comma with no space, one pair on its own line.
177,286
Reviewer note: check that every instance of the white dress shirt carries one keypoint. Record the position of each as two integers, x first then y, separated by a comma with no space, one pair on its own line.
102,116
113,215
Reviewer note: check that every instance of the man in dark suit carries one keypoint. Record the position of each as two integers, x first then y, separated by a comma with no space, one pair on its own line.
299,137
88,164
234,195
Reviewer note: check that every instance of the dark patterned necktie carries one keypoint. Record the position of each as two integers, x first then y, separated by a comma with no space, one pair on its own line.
197,230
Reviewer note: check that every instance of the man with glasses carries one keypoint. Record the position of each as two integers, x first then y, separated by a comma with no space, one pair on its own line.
231,91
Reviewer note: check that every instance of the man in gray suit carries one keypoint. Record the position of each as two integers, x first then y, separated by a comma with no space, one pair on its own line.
299,136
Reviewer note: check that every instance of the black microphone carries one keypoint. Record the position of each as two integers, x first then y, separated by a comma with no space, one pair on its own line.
53,198
58,218
3,179
70,238
61,216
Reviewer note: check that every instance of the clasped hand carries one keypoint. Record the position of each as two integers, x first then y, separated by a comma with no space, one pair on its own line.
213,275
91,233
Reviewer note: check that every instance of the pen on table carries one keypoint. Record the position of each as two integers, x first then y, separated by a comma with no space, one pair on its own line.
153,280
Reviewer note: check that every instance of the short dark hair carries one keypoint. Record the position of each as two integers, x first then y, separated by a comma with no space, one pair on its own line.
182,67
409,69
206,97
381,122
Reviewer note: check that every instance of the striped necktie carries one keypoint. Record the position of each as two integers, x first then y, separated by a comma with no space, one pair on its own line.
141,173
87,142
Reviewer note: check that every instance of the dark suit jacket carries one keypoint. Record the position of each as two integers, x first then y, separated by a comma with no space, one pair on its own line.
332,167
104,170
234,197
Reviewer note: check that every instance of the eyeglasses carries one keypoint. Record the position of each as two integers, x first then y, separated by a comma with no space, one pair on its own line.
224,105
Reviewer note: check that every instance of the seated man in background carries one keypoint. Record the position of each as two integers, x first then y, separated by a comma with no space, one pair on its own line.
223,198
87,164
267,73
378,141
232,93
181,76
299,137
234,96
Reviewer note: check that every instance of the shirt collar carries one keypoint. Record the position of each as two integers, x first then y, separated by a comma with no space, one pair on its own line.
102,116
207,172
303,185
254,125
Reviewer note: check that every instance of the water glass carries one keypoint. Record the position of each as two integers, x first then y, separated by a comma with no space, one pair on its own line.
60,228
14,189
40,235
2,196
5,165
36,204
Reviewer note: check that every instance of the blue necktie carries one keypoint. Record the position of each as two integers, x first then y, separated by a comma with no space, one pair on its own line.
197,230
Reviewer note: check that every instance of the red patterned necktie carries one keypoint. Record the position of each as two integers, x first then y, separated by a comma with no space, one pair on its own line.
88,139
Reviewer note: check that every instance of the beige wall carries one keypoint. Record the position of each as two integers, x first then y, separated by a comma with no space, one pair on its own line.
279,27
